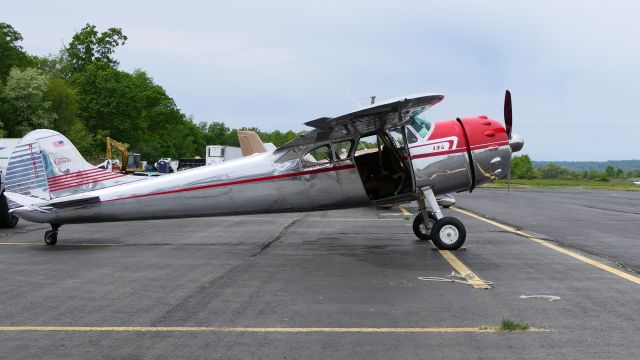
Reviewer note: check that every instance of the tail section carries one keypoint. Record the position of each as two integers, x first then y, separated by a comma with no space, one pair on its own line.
45,165
250,143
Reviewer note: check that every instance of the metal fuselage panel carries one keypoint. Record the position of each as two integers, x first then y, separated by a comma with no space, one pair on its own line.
255,184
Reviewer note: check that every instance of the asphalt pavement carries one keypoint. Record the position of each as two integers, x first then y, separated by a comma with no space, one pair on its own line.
602,223
327,285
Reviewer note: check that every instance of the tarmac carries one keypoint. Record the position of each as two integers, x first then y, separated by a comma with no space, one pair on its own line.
341,284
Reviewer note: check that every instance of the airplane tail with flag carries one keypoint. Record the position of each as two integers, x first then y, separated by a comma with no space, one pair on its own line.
45,166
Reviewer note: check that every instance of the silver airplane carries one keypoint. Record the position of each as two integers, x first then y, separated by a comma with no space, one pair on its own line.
385,154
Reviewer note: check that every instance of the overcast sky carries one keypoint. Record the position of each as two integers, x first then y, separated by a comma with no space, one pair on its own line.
572,66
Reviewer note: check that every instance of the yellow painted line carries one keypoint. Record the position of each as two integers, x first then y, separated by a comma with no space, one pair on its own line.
258,329
475,280
555,247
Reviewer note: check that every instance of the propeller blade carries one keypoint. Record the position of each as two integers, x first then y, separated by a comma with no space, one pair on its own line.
508,119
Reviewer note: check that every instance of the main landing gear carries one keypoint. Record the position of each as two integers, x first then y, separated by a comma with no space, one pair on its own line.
51,236
447,233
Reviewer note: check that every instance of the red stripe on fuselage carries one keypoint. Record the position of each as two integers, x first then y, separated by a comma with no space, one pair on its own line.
239,182
460,150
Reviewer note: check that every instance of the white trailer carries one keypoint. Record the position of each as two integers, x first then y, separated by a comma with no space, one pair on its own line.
217,154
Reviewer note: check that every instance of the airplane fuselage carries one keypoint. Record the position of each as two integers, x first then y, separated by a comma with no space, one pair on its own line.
277,182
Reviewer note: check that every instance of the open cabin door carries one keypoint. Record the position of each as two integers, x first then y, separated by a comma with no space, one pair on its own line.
384,167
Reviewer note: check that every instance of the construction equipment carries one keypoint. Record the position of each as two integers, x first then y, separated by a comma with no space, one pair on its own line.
128,162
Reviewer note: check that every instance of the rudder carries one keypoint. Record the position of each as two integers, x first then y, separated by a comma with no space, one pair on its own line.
46,165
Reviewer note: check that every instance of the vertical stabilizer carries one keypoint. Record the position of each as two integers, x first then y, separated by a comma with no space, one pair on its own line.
250,143
46,165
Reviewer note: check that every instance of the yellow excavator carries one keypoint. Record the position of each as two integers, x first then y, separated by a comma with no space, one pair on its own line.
128,162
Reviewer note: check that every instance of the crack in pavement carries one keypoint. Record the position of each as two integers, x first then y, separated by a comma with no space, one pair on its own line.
610,210
268,244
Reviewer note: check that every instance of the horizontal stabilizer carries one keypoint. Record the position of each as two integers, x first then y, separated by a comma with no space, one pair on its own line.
74,202
35,203
26,201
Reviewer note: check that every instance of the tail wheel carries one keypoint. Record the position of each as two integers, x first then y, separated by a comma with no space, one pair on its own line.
421,228
448,233
50,237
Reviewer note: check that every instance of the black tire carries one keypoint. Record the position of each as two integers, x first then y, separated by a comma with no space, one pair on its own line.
7,221
423,231
50,237
448,233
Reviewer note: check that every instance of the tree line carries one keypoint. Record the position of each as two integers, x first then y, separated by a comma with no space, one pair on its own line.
81,93
522,168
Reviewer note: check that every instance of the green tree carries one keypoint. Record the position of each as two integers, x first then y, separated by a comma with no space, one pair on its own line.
55,65
215,132
11,54
88,46
610,171
108,99
63,103
24,104
554,171
521,168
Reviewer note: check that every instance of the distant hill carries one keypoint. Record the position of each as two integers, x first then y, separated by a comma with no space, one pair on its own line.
625,165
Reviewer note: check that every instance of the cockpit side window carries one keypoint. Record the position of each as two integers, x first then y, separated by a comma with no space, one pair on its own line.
320,155
343,149
420,124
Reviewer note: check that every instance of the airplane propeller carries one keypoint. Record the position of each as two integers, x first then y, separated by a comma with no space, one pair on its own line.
515,141
508,114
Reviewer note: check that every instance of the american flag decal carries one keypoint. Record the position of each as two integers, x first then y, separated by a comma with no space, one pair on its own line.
58,143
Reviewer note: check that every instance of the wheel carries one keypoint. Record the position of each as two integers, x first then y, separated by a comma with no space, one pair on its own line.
448,233
422,230
50,237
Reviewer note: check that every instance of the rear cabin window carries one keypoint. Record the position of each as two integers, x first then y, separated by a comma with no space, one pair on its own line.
319,155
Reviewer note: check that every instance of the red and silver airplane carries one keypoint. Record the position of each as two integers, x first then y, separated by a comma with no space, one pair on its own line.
387,153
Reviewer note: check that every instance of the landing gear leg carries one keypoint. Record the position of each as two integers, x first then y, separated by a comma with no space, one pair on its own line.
51,236
447,233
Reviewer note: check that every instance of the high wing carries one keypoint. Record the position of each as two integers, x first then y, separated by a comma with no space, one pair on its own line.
389,114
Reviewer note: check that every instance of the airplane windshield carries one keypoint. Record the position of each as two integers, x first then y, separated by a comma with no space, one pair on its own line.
419,123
